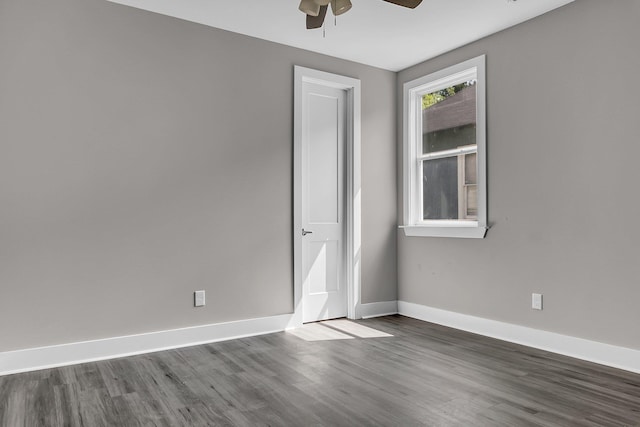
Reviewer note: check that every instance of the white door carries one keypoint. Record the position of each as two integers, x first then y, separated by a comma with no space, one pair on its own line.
324,134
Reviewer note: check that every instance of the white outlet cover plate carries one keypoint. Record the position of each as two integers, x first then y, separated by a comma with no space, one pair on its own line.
536,301
199,298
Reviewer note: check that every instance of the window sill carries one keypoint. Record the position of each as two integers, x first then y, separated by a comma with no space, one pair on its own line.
464,232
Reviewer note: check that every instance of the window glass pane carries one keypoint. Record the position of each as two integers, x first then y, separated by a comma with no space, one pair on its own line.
470,169
449,118
440,188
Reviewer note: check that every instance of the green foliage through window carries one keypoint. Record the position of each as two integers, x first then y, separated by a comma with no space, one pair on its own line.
440,95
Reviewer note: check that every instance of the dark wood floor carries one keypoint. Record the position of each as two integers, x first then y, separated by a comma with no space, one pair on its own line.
423,375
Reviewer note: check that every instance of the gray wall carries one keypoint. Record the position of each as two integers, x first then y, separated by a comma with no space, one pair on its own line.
563,125
143,157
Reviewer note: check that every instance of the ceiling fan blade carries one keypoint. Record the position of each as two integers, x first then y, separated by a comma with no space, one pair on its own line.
412,4
317,21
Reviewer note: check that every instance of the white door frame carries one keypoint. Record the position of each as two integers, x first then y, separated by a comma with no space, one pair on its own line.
352,190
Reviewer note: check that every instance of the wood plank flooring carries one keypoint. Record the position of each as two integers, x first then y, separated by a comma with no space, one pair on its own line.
424,374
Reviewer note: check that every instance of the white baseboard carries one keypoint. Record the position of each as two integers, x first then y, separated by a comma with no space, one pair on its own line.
592,351
13,362
377,309
32,359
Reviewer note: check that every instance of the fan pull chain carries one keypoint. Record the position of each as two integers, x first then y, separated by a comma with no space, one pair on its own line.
324,28
335,18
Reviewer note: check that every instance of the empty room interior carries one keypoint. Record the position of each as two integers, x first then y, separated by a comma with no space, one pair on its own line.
319,213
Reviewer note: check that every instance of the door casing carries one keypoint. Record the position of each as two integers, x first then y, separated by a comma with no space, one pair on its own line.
352,190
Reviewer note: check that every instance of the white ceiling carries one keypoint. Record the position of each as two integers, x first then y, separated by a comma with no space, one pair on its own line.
373,32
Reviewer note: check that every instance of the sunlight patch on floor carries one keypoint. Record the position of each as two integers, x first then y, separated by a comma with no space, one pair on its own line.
338,329
318,332
355,329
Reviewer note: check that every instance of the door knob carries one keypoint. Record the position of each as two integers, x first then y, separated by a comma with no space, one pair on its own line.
305,232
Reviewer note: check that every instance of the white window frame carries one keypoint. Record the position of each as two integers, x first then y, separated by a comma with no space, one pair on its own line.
414,225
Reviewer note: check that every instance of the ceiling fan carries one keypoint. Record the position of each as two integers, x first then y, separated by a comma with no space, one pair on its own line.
316,10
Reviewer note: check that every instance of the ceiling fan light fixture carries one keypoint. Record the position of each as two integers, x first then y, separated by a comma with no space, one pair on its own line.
316,10
340,6
310,7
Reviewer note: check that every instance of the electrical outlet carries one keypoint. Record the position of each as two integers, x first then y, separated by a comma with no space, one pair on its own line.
536,301
198,298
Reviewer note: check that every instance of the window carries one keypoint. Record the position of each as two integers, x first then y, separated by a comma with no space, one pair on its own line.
445,153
